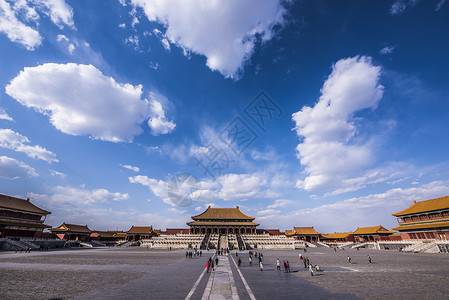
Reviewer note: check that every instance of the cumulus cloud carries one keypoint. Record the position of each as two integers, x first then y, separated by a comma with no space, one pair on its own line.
80,100
134,169
158,122
348,214
67,196
17,142
12,169
327,149
230,187
13,19
4,115
17,31
59,11
225,32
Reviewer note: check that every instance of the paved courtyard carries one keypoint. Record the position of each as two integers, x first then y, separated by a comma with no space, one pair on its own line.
139,273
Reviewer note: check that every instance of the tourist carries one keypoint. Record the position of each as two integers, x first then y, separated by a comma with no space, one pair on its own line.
305,263
212,266
216,261
288,266
278,264
300,256
239,262
317,268
311,270
285,266
250,260
261,265
349,259
369,259
207,266
187,254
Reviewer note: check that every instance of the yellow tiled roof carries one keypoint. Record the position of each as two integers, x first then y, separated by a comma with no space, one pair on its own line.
212,213
20,204
425,206
221,223
302,231
140,230
422,226
337,235
64,227
373,230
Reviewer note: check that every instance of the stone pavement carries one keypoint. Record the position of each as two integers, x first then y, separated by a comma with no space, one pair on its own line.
221,283
137,273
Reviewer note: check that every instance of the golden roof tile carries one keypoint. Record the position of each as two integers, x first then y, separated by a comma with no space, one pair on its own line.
14,203
422,226
373,230
212,213
425,206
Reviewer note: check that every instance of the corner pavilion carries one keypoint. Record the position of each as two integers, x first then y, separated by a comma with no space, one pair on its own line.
223,221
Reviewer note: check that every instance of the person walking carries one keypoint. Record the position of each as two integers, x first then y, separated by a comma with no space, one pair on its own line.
278,264
288,266
250,260
239,262
216,261
285,266
311,270
349,259
261,265
208,266
369,259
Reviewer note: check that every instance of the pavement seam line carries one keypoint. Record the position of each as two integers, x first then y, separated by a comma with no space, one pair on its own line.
195,285
248,289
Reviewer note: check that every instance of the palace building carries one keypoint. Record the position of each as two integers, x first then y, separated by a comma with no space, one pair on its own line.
21,218
308,234
427,219
223,221
372,234
72,232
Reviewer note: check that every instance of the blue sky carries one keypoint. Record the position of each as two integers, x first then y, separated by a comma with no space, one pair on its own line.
304,113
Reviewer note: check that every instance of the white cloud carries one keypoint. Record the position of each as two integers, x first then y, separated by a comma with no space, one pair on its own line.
399,6
327,149
123,25
59,12
370,210
12,169
66,196
158,187
4,115
224,32
65,42
80,100
230,187
135,169
386,50
13,19
158,122
439,5
56,173
280,203
166,44
17,142
17,31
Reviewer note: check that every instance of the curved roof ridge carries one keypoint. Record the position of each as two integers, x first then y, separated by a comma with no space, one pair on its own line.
424,206
216,213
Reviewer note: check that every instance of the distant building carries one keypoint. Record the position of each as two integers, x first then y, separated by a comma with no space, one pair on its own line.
372,234
427,219
340,237
21,218
137,233
72,232
308,234
223,221
109,236
173,231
